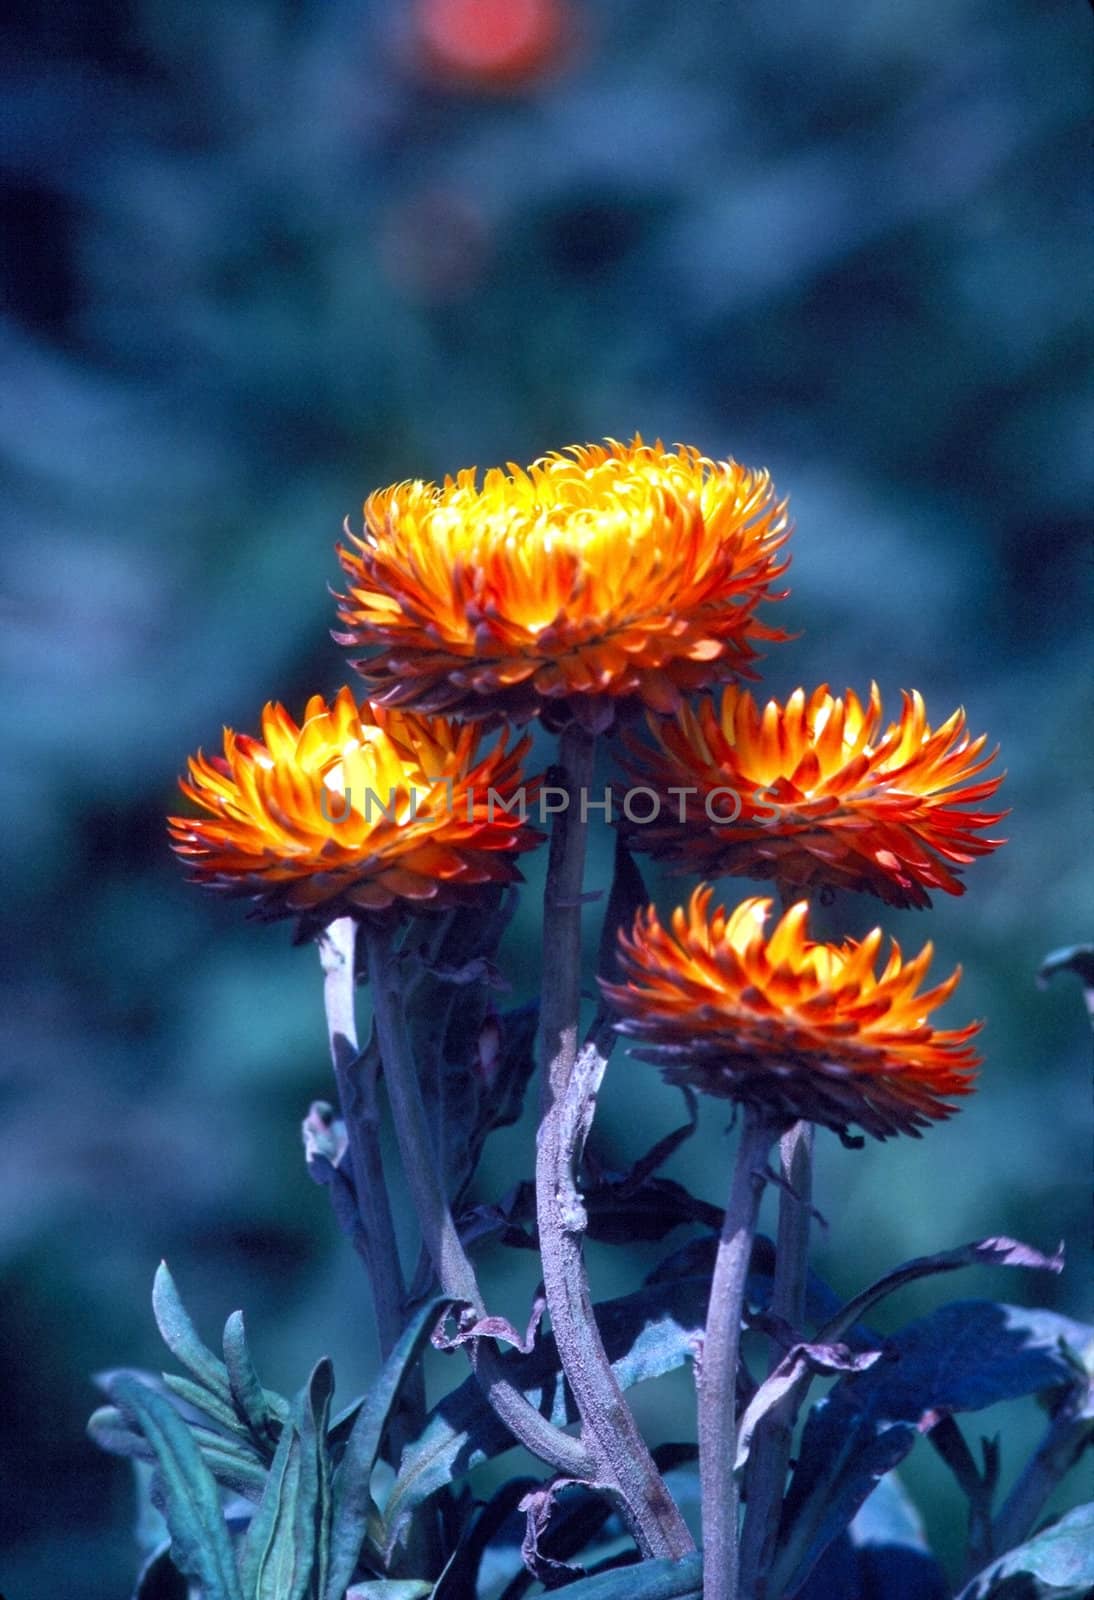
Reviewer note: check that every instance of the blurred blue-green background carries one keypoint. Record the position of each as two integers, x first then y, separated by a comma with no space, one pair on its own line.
261,257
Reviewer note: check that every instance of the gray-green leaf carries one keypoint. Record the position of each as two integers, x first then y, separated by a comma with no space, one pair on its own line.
267,1556
311,1413
352,1503
202,1401
263,1412
109,1430
181,1337
200,1545
1058,1564
283,1554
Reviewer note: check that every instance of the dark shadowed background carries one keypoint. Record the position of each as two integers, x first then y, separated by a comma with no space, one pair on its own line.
261,257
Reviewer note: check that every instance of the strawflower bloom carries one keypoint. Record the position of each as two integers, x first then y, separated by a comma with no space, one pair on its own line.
817,794
355,810
603,575
795,1029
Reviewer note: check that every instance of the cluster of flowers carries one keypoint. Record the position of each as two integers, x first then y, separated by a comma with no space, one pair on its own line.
608,586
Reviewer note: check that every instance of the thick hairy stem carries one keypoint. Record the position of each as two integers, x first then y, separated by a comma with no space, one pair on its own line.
769,1457
718,1367
450,1260
375,1239
622,1463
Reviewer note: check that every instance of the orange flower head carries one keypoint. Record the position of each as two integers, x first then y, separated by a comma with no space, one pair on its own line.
604,575
794,1028
817,794
354,811
490,45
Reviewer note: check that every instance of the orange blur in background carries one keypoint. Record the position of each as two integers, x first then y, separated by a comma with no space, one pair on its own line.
491,44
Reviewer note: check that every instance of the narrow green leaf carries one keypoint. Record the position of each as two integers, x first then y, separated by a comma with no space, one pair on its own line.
181,1337
311,1413
341,1425
108,1429
233,1466
149,1528
1058,1564
260,1554
352,1501
208,1405
241,1450
280,1569
263,1412
280,1552
242,1474
200,1546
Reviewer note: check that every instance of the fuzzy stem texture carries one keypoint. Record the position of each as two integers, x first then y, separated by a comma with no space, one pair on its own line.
622,1463
450,1260
769,1458
718,1367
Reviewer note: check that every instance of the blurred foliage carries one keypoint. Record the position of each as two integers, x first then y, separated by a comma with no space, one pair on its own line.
260,258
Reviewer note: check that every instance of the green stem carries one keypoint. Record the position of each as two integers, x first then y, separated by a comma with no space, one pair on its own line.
375,1239
769,1457
718,1368
623,1464
450,1260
